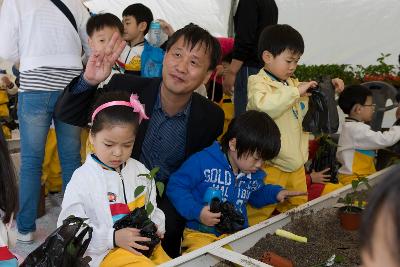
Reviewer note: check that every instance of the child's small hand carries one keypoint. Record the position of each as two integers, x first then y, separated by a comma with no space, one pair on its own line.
160,235
320,177
126,238
166,27
209,218
305,86
338,84
285,194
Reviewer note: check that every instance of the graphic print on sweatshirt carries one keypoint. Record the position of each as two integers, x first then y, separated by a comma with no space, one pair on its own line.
236,190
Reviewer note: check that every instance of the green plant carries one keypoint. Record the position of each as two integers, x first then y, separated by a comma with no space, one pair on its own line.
352,74
356,195
160,186
314,72
376,70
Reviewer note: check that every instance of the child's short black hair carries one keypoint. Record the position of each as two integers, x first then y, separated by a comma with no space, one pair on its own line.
99,21
277,38
141,13
255,132
113,115
193,35
352,95
384,201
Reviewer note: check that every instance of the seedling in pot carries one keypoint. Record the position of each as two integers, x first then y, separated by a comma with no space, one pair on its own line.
160,186
350,214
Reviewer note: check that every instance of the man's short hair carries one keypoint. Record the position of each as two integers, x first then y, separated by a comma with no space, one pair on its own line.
194,35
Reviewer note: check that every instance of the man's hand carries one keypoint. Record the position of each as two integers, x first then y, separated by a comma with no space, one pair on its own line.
99,65
209,218
228,82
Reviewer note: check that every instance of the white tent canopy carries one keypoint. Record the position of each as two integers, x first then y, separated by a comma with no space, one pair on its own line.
335,31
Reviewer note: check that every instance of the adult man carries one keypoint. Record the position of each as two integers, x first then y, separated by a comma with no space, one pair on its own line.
251,17
48,46
181,122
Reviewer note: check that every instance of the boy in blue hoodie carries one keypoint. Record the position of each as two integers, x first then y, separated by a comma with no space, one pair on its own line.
234,168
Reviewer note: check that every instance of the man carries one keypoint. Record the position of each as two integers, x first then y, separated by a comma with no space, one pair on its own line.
181,122
251,17
49,47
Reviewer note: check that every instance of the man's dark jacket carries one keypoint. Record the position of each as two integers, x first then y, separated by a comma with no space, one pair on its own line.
205,122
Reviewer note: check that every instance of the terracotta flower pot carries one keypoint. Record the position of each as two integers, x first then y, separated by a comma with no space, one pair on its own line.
275,260
350,217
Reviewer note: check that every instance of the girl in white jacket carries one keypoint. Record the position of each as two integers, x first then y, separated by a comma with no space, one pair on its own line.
102,189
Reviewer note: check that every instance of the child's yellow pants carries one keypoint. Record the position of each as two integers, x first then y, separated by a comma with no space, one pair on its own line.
120,257
193,240
293,181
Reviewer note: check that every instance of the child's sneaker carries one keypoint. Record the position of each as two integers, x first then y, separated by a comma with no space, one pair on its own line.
25,238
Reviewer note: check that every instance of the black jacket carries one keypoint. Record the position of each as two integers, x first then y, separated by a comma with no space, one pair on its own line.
205,122
251,17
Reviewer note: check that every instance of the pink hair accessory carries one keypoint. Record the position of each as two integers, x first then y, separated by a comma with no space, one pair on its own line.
133,103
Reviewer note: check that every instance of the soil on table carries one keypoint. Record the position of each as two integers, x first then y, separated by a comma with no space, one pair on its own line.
325,238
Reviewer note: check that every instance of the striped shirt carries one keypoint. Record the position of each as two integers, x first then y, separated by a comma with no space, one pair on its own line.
165,141
47,78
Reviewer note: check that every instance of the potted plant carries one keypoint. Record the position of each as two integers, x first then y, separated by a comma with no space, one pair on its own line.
139,218
350,213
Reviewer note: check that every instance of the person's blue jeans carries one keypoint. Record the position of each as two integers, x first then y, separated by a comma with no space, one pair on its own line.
35,114
240,94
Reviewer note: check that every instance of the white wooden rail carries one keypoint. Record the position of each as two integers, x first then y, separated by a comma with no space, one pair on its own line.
247,238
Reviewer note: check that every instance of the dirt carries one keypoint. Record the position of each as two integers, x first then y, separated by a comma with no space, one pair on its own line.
325,238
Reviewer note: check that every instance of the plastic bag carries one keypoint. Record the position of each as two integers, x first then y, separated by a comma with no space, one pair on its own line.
64,247
138,219
152,61
322,115
231,220
325,157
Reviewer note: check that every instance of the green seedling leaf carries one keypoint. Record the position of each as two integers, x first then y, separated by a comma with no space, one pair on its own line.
149,208
339,259
160,187
153,172
139,190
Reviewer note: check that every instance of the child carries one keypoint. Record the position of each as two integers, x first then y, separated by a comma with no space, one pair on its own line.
380,231
134,59
102,189
100,28
357,142
8,205
274,91
232,167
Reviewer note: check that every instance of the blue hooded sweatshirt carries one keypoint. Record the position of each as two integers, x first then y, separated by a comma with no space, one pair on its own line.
210,168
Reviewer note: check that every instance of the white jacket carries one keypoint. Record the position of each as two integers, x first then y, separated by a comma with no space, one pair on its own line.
38,34
359,136
86,196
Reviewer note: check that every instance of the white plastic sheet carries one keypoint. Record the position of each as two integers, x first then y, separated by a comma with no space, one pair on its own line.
210,14
345,31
